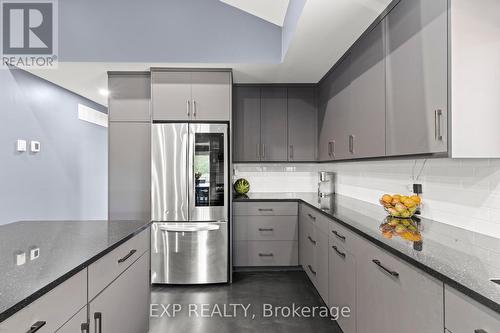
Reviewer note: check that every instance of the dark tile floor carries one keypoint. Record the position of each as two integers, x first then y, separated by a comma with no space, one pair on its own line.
249,289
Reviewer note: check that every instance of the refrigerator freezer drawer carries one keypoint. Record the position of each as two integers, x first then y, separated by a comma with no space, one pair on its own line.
189,253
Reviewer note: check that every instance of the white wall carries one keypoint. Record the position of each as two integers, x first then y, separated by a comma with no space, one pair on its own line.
464,193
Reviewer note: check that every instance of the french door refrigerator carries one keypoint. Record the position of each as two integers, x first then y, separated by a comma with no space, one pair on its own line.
190,202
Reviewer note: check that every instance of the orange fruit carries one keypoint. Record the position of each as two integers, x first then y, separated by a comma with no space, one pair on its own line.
416,199
387,198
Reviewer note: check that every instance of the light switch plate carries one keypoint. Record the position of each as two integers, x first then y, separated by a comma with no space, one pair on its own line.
35,146
21,145
20,258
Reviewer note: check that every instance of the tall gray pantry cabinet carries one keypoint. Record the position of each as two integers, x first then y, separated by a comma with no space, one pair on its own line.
129,146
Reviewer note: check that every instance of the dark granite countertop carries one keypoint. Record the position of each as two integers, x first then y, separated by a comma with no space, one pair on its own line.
66,247
463,259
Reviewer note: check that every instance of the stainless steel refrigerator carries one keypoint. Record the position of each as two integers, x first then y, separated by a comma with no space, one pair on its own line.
190,202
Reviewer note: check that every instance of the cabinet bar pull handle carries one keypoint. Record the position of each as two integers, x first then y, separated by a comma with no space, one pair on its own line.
263,151
84,327
351,144
291,152
480,331
258,151
98,328
265,209
392,273
342,254
312,217
338,235
188,107
311,269
311,240
130,254
438,114
36,326
333,148
266,255
330,148
194,108
266,229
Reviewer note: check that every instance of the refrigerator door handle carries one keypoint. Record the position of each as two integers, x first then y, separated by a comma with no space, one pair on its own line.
194,227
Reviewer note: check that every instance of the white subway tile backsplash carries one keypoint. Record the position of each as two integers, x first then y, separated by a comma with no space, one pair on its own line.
460,192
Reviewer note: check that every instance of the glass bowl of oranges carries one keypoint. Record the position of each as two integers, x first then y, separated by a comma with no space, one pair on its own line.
401,206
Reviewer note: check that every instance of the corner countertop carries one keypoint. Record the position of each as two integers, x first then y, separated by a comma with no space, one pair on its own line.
462,259
66,247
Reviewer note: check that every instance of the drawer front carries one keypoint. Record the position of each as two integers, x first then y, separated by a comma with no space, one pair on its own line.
269,253
109,267
344,237
464,315
54,308
266,228
315,218
265,208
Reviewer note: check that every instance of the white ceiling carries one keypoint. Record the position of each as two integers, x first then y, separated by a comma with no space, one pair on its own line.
326,29
273,11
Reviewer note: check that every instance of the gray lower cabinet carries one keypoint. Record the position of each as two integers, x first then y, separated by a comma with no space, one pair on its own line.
129,171
246,124
274,126
130,96
78,323
265,234
393,296
123,306
342,286
366,122
417,77
302,124
53,309
464,315
191,95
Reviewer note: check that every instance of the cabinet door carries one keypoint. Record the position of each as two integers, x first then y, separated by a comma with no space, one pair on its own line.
367,97
340,108
305,253
211,94
302,124
129,171
171,95
75,323
326,119
130,97
123,305
274,124
246,128
394,297
321,264
417,77
342,286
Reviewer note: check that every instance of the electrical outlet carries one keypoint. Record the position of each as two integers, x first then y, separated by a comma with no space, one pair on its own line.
20,258
34,253
21,145
35,146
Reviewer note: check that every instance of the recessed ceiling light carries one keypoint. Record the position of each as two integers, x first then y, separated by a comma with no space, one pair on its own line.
104,92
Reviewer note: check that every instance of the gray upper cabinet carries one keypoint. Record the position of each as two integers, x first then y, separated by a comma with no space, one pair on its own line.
211,95
367,97
302,124
191,95
334,122
246,124
129,171
171,95
274,124
130,94
417,76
